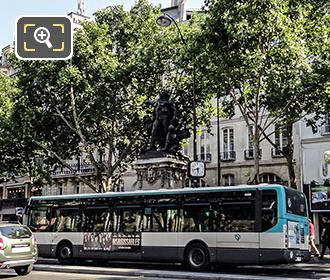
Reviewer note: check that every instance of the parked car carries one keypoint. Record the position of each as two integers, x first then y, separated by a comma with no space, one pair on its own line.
18,248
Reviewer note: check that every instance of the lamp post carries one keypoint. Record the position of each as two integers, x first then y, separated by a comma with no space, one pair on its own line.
166,20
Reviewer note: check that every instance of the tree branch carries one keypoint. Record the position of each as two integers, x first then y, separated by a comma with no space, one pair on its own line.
65,164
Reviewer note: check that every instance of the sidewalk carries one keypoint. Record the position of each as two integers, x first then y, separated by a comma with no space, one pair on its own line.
314,265
152,274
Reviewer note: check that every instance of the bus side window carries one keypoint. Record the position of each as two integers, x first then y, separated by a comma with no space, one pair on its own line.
235,212
39,219
68,220
269,209
97,219
196,218
130,220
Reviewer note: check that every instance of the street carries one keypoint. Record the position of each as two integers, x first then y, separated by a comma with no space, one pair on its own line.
49,269
41,275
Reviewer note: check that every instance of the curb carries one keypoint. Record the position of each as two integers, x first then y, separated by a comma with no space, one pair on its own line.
292,268
164,274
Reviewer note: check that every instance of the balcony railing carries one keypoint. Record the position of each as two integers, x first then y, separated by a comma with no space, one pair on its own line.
276,153
228,156
79,169
205,157
249,154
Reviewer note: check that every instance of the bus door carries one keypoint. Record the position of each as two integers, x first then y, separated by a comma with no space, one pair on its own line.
66,223
160,226
40,222
196,220
126,235
271,232
237,239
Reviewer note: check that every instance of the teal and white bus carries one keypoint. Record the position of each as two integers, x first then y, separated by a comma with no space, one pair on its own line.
226,225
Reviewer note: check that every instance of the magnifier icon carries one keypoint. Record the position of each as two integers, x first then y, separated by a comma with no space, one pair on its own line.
42,35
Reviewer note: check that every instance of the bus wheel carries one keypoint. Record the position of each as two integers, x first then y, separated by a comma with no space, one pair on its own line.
64,253
197,257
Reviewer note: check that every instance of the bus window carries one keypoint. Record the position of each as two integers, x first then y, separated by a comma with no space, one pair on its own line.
235,212
196,218
129,220
97,219
39,221
67,219
295,202
269,209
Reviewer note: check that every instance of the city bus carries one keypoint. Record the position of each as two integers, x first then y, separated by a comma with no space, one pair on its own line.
263,224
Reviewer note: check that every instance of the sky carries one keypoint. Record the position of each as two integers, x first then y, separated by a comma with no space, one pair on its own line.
12,9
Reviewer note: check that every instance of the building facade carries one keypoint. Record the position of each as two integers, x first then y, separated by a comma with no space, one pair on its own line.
5,67
315,166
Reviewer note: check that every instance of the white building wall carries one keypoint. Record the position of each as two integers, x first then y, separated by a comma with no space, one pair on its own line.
313,149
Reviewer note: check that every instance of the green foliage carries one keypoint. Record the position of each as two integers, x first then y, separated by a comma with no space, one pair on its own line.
268,58
98,98
7,90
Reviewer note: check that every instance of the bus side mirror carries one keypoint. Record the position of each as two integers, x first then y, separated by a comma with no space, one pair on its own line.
19,211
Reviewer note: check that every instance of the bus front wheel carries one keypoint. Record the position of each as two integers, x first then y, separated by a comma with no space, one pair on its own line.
197,257
64,253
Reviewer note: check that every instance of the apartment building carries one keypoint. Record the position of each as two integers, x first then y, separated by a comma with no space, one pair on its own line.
315,166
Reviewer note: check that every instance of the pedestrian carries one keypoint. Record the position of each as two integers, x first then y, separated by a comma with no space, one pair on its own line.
312,238
325,236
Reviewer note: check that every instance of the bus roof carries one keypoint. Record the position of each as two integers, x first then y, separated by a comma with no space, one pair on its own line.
153,192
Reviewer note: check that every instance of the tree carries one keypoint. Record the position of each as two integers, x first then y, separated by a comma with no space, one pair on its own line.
97,100
257,56
18,157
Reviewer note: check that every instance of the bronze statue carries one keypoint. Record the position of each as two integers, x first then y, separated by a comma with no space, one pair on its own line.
164,129
165,114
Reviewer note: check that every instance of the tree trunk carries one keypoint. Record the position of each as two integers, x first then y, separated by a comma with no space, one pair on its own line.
107,185
289,157
256,145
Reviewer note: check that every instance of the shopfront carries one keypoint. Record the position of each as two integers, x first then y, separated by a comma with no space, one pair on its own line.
319,205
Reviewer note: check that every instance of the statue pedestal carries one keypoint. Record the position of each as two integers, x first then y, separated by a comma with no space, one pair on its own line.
160,172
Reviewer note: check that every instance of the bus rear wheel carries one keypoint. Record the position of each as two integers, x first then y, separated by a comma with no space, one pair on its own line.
197,257
64,253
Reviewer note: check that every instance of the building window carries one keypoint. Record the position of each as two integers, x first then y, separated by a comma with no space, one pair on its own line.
326,126
228,179
270,178
281,141
325,166
249,152
250,138
15,193
281,137
204,147
185,149
77,187
228,152
195,183
60,189
228,139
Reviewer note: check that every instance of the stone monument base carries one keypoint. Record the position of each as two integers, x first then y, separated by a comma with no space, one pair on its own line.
160,172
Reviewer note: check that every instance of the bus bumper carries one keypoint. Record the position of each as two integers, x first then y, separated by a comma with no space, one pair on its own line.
283,256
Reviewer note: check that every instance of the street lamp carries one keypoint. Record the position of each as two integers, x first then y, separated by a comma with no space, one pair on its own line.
166,20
